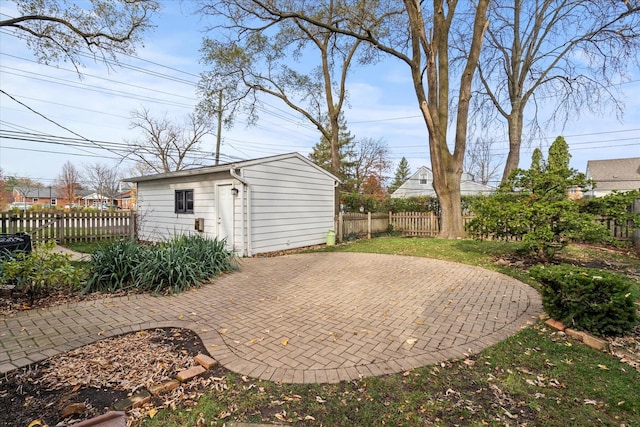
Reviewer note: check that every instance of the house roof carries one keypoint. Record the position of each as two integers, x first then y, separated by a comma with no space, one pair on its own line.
228,166
43,193
615,174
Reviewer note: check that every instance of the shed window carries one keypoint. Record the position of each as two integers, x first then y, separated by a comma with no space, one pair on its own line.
184,201
423,179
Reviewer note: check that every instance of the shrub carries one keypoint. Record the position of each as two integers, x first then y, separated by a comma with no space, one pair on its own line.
589,299
42,270
168,267
112,266
533,206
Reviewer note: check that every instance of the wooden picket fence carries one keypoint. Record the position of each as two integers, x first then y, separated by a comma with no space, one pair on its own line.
69,227
426,224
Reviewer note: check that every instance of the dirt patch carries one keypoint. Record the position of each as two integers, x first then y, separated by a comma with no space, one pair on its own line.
89,380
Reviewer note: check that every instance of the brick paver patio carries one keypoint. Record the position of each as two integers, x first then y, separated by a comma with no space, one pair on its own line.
304,318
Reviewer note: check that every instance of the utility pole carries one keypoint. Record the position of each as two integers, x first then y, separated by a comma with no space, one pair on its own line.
219,137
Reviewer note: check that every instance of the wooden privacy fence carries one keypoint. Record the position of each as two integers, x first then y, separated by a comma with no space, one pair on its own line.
68,227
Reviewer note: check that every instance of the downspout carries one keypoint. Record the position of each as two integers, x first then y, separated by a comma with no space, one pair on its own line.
336,219
245,247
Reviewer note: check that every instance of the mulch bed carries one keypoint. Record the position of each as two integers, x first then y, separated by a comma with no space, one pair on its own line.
86,382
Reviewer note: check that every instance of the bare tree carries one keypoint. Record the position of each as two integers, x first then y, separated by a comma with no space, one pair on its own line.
481,162
102,179
370,164
567,54
259,52
165,146
68,181
4,193
56,29
421,43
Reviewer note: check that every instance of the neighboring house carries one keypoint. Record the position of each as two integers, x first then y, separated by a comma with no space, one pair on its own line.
613,175
125,199
261,205
421,184
95,200
48,196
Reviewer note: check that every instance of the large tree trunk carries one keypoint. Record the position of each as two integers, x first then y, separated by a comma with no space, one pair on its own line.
448,191
515,121
335,157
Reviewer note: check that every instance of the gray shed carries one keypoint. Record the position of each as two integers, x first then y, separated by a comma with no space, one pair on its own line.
260,205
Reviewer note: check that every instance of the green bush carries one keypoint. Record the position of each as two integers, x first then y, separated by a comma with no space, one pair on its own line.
168,267
41,271
589,299
533,206
112,266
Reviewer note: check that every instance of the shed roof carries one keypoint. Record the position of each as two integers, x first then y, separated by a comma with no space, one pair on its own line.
227,166
615,174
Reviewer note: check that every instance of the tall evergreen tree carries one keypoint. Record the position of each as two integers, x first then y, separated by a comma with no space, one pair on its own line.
403,171
321,154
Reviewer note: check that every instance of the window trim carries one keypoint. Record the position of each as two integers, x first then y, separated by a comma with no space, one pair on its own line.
181,202
423,180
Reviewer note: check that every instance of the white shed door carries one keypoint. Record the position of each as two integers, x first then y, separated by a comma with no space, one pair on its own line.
224,204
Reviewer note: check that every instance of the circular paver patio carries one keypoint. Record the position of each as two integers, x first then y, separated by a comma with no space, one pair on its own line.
305,318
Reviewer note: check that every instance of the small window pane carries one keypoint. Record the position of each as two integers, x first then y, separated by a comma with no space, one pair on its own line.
189,201
184,201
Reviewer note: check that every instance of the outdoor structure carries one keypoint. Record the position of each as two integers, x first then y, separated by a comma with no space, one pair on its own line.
421,184
260,205
613,175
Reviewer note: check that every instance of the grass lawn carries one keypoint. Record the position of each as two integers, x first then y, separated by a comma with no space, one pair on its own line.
536,377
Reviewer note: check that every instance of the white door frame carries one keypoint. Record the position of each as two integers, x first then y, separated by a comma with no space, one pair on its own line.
225,213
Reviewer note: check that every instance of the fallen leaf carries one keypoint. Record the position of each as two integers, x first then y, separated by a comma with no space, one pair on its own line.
412,341
285,341
590,402
181,316
469,362
223,331
101,333
603,367
152,412
320,400
509,414
309,418
419,322
35,423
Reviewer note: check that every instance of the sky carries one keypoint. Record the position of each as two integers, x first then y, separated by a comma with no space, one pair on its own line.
53,100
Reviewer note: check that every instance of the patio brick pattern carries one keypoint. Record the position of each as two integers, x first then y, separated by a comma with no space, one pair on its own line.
304,318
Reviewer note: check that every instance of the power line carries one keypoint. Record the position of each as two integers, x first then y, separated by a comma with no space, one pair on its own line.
52,121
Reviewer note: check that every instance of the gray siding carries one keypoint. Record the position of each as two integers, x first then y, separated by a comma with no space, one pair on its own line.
291,205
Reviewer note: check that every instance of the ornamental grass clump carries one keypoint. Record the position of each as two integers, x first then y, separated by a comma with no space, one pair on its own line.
113,266
168,267
588,299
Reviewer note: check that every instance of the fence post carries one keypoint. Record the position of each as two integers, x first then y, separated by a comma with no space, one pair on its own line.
636,231
368,225
132,225
340,226
60,229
